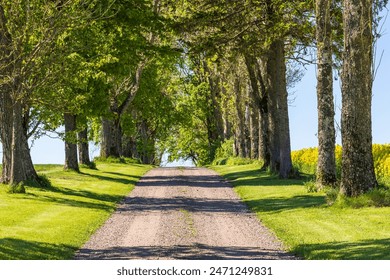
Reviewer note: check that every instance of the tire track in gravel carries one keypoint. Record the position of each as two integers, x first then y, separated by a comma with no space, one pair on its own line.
189,213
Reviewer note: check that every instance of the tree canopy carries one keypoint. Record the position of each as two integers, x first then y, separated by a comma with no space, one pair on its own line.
195,79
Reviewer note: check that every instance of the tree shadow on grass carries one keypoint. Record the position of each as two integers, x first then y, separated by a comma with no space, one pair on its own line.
371,249
279,204
133,179
262,178
80,198
17,249
130,177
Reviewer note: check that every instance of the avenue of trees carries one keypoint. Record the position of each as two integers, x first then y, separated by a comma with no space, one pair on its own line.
144,77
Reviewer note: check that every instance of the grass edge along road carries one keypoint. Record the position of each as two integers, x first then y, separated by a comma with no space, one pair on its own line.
305,223
53,223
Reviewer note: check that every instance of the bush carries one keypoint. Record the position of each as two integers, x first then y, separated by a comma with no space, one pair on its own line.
378,197
235,161
225,150
16,188
91,165
41,182
331,195
116,160
310,186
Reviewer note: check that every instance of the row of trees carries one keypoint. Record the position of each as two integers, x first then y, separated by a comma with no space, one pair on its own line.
143,77
80,65
242,53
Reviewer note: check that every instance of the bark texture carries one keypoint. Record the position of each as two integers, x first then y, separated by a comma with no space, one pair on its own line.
279,130
111,145
259,112
326,167
83,147
358,174
6,134
71,162
240,116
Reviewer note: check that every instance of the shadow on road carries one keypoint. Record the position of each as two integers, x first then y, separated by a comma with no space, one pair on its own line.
185,252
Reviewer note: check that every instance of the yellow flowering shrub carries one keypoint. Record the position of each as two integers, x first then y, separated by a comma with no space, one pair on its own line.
305,160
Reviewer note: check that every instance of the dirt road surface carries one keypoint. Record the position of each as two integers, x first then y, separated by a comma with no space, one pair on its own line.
176,213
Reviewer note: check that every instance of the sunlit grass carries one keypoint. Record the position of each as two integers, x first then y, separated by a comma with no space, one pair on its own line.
305,223
52,223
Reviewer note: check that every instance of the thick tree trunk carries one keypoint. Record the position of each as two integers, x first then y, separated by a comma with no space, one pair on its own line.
27,160
279,130
6,134
83,147
358,174
326,167
286,167
111,145
71,162
273,120
6,110
18,173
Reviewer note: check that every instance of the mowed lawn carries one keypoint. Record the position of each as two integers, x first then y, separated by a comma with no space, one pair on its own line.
305,223
52,223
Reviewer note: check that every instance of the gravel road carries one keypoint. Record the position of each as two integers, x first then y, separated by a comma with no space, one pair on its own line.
176,213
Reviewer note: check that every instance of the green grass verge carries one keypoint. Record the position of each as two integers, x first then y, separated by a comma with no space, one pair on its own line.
305,223
53,223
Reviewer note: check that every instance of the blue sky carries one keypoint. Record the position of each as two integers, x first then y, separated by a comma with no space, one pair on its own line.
303,111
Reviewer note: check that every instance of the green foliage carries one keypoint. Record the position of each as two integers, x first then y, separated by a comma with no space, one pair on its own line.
310,186
41,182
225,150
123,160
91,165
378,197
235,161
16,188
331,194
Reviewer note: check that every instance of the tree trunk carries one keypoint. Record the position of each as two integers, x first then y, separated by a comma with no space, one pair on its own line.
18,173
358,174
286,167
326,167
273,120
215,90
6,110
6,134
111,145
129,147
247,135
71,162
279,129
254,131
240,125
260,98
227,125
83,147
